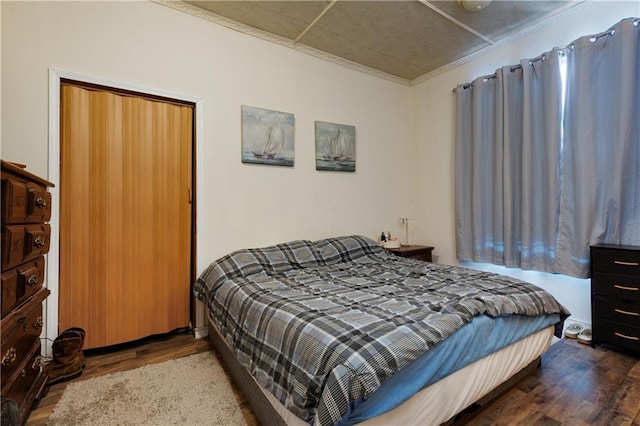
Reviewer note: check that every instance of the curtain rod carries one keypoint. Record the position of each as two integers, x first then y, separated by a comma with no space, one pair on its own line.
543,57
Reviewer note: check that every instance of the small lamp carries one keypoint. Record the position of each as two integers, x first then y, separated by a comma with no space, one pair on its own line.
405,222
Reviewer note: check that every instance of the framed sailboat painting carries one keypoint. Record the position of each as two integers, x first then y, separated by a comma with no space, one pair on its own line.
335,147
267,136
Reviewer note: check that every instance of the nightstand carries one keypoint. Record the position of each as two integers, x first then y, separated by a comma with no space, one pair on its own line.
615,295
413,252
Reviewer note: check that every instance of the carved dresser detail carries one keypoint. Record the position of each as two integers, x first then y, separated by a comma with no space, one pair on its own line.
26,209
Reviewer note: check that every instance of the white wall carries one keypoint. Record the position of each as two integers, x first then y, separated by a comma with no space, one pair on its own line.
239,205
147,44
434,128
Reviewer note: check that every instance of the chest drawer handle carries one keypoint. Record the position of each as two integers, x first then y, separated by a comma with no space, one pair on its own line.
33,280
40,202
9,357
620,262
39,241
621,287
626,337
38,323
37,363
620,311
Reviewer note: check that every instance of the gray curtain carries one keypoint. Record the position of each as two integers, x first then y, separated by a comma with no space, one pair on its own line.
508,140
479,165
600,200
536,183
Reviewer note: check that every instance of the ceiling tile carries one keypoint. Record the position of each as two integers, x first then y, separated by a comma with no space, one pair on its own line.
402,38
284,18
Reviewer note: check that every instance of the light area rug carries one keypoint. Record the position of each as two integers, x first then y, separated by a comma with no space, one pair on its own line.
193,390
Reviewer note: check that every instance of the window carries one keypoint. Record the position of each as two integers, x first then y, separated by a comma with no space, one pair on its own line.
548,156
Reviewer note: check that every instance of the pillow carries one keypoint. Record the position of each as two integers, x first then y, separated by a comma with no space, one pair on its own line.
347,248
286,256
270,260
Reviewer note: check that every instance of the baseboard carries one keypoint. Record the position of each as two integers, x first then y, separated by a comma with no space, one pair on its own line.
200,332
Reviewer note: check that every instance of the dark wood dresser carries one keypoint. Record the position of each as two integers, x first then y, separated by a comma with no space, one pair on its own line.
26,207
615,295
413,252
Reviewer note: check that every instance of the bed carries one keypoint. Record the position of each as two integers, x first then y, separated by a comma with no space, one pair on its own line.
340,331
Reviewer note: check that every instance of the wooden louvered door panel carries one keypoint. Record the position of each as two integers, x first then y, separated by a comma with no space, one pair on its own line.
125,215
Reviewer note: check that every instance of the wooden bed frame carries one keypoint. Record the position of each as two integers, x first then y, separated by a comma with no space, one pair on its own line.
263,409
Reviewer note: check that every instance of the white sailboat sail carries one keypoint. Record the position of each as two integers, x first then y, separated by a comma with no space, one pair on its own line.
274,142
337,147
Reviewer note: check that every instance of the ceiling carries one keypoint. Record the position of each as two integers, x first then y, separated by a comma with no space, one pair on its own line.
399,40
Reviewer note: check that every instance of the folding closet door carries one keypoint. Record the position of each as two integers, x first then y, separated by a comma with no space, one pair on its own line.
125,214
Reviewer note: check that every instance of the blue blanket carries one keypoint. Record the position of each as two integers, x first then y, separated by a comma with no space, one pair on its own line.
482,336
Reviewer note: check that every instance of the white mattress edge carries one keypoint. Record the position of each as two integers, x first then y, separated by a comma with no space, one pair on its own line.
442,400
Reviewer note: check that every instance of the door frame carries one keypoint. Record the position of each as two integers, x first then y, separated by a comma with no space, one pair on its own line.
53,258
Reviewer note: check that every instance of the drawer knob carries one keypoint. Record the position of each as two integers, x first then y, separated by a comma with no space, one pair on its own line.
39,241
33,280
41,202
621,262
620,311
624,336
621,287
9,357
37,363
38,323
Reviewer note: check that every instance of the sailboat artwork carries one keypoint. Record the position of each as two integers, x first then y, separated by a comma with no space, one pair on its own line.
335,147
267,136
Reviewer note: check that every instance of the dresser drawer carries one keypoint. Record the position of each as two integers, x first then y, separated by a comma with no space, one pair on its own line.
616,333
421,256
621,310
616,261
21,243
413,252
616,285
20,329
20,283
19,385
24,202
27,384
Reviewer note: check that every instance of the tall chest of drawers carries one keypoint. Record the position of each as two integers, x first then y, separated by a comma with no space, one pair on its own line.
26,209
615,295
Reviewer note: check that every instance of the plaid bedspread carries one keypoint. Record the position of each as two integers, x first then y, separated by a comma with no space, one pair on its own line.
322,324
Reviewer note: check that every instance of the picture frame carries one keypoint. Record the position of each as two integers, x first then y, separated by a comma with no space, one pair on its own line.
268,136
335,147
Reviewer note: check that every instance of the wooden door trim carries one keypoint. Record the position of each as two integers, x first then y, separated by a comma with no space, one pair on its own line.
53,258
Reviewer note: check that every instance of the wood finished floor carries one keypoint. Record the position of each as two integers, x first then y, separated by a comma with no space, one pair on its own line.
576,385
